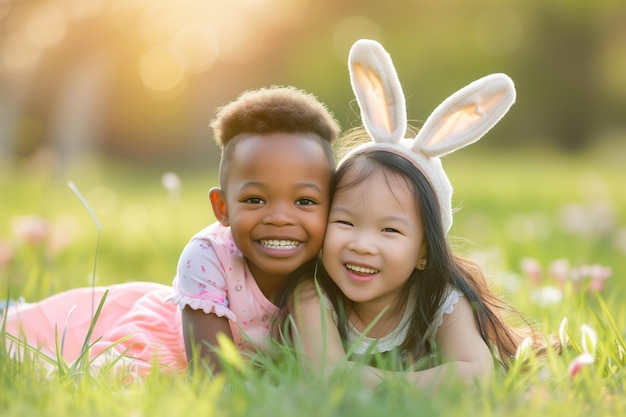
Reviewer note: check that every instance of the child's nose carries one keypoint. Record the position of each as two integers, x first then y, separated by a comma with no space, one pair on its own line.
363,243
279,215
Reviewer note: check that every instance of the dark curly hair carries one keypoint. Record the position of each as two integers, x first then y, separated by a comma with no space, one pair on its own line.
272,110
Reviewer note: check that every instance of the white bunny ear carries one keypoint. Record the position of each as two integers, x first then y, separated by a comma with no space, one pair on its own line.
466,116
378,91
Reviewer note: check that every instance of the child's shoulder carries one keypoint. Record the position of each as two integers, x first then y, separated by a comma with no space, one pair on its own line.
449,307
214,237
307,289
451,299
216,233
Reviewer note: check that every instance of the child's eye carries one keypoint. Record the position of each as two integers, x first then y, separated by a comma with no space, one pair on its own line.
344,222
253,200
390,230
305,202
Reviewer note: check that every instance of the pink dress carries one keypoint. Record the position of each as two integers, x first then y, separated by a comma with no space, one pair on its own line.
212,275
134,308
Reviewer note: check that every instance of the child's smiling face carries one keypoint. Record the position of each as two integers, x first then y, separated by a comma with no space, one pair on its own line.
276,202
375,238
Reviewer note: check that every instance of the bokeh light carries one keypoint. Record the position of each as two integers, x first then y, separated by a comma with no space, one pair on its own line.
160,23
19,57
46,26
84,8
235,32
164,65
162,68
198,46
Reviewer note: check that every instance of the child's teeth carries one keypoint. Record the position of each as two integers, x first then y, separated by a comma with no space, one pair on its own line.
280,244
361,270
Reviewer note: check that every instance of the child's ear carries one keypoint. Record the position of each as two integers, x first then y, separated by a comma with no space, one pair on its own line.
423,259
218,204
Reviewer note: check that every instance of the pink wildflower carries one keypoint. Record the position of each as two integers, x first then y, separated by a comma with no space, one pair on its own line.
532,269
579,362
559,269
598,275
31,229
595,274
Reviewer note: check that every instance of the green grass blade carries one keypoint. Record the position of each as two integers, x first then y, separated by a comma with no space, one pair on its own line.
98,226
84,202
609,317
25,345
67,320
85,349
60,362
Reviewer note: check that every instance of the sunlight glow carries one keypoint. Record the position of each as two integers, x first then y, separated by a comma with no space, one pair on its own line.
162,68
84,8
46,26
184,37
159,24
234,31
198,46
18,56
284,13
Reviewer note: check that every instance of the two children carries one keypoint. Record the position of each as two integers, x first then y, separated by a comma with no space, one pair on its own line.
388,277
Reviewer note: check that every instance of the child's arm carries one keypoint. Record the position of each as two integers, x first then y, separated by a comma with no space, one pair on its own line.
466,355
317,336
200,335
459,341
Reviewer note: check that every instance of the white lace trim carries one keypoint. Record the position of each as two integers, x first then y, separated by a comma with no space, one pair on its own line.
446,308
361,344
207,306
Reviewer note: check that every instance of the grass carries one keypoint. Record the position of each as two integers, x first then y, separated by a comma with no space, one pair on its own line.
512,208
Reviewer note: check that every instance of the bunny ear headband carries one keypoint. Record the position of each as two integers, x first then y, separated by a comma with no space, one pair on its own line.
458,121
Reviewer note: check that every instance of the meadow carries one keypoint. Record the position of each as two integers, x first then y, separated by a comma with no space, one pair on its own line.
549,229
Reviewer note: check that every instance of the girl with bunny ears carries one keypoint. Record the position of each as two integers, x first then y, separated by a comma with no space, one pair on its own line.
388,278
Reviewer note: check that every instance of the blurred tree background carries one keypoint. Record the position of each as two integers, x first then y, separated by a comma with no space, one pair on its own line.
139,80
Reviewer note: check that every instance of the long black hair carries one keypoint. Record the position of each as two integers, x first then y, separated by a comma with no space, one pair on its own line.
429,287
